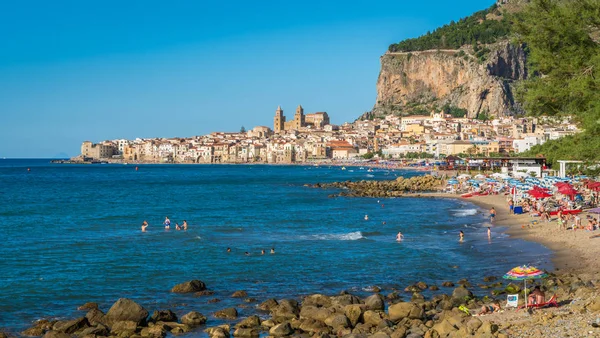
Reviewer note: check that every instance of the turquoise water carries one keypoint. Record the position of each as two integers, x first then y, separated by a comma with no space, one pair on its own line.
71,234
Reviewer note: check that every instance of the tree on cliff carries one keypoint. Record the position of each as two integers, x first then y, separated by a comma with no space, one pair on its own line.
242,129
562,37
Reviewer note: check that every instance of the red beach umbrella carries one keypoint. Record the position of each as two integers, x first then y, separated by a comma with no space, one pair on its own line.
568,190
537,194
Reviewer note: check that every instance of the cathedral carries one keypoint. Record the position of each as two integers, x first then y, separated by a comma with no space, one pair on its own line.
300,121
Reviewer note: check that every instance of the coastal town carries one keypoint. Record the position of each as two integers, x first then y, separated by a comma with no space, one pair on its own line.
311,137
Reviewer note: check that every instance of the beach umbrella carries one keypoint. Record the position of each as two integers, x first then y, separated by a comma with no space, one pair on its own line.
567,190
594,211
525,272
537,194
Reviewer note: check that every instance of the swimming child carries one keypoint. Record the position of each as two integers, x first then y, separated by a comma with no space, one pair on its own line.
167,223
461,236
144,225
399,237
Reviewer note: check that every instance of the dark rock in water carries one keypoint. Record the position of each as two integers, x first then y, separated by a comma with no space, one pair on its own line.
56,334
246,332
163,316
421,285
217,332
375,302
417,298
412,288
239,294
489,279
229,313
191,286
268,304
214,300
127,310
95,317
71,326
88,306
193,319
464,282
392,296
447,284
250,322
281,330
39,328
434,288
204,293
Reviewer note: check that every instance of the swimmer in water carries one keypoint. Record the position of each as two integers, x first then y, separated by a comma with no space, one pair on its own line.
144,225
461,236
185,225
167,223
272,250
246,253
228,249
489,232
399,237
262,252
177,226
366,217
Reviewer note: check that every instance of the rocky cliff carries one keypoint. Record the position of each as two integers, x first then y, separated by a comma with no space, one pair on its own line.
421,81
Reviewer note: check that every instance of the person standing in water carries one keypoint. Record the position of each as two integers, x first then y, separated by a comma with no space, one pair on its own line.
185,225
461,236
492,214
272,250
366,217
489,232
144,226
167,223
399,237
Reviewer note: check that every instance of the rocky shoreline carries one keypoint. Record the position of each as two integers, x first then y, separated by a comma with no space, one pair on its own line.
394,188
382,314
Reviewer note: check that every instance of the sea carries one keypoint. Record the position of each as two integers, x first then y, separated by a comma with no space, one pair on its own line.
71,234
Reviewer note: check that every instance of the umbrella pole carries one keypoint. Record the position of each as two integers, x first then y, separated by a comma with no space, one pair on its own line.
525,290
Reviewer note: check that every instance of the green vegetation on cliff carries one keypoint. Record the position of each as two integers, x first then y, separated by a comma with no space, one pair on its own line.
471,30
564,58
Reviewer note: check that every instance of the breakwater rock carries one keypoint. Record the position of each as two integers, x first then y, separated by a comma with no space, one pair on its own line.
347,315
393,188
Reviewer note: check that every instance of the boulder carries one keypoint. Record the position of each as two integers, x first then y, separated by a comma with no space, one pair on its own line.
88,306
56,334
314,326
462,293
512,289
246,332
204,293
175,327
239,294
99,330
489,279
447,284
286,310
403,310
594,306
39,328
338,321
163,316
127,310
400,332
354,313
444,328
421,285
218,332
95,317
343,300
188,287
375,302
193,319
71,326
229,313
123,328
156,331
280,330
317,300
434,288
473,325
313,312
249,322
372,318
268,304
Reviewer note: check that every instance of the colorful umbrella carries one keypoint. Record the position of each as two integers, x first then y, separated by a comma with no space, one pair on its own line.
525,272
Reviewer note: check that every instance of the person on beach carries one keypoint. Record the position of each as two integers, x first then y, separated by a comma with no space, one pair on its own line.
511,206
185,225
487,309
461,236
399,237
167,223
492,214
144,225
537,296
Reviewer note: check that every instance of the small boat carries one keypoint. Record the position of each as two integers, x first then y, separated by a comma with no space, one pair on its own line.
343,168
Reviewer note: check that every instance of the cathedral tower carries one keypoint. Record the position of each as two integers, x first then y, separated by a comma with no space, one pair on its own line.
299,118
279,122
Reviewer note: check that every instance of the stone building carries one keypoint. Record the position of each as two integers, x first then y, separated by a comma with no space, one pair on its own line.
97,151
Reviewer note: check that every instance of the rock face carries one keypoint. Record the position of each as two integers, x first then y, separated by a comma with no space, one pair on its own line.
434,78
127,310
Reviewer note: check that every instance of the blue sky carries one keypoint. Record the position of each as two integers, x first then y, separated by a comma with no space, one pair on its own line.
93,70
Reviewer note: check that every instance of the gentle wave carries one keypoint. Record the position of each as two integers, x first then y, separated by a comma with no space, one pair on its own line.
352,236
464,212
369,175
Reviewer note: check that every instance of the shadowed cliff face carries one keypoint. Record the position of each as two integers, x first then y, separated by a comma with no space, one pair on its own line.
429,79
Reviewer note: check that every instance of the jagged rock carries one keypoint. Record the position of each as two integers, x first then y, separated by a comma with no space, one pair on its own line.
246,332
314,326
268,304
280,330
421,285
99,330
156,331
218,332
400,332
204,293
70,326
317,300
56,334
462,293
250,322
95,317
434,288
123,328
354,313
287,309
473,325
313,312
338,321
229,313
417,298
448,284
343,300
88,306
188,287
375,302
193,318
403,310
127,310
39,328
163,316
239,294
372,318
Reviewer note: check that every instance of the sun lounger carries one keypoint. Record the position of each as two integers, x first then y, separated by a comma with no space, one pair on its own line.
550,302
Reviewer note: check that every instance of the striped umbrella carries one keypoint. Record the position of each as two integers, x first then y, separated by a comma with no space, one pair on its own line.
525,272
